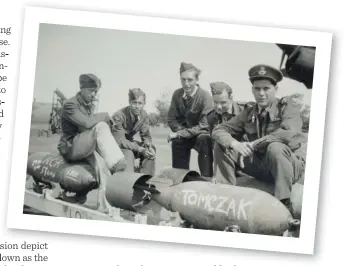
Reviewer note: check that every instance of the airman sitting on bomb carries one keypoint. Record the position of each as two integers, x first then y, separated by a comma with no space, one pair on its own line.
272,127
84,131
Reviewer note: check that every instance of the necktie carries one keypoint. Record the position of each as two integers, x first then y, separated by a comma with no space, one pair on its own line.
261,119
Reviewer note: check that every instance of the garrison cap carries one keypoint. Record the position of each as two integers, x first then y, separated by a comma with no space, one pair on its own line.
265,72
135,93
188,66
89,81
218,87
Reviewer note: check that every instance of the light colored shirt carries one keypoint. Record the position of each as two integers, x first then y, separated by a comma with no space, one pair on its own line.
194,92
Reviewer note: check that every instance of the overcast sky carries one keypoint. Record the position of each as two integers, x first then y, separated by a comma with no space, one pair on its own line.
124,59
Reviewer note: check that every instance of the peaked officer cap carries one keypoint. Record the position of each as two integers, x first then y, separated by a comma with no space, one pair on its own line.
265,72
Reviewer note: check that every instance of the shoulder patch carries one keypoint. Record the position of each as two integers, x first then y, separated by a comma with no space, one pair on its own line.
116,123
117,118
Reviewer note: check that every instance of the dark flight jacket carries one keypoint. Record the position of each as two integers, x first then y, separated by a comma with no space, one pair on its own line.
189,117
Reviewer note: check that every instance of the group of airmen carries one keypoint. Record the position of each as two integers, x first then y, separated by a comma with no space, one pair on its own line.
260,139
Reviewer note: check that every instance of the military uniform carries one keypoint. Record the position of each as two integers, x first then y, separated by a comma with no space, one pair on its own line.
188,117
277,135
126,126
215,118
83,131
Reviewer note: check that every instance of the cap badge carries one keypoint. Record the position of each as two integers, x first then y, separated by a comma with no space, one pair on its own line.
262,71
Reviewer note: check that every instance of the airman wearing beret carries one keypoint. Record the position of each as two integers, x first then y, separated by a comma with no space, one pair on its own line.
187,118
271,127
129,121
225,108
84,131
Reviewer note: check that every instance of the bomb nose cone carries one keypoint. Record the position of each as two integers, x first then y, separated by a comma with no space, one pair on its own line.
164,198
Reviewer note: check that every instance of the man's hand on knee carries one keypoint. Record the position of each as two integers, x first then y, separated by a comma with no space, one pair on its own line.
151,151
148,153
243,148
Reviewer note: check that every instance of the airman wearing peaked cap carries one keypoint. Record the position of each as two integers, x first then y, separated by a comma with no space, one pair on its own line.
265,72
272,130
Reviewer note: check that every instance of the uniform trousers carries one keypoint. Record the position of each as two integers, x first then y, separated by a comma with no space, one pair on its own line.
181,153
99,139
278,165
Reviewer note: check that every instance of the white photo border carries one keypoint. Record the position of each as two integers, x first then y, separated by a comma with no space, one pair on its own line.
36,15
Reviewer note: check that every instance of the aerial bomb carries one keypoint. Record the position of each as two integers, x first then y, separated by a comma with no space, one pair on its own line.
127,190
50,168
219,206
296,193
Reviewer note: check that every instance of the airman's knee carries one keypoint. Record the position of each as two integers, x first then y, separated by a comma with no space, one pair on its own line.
276,149
204,143
203,138
153,147
178,143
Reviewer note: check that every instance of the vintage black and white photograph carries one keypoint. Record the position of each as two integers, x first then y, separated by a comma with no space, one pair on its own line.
167,130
